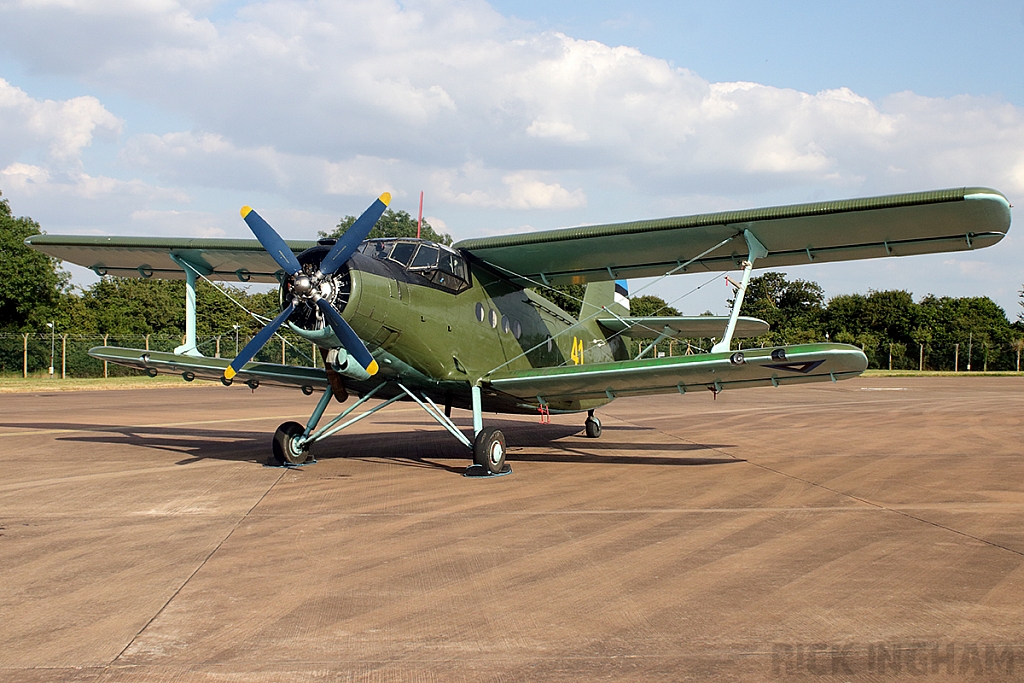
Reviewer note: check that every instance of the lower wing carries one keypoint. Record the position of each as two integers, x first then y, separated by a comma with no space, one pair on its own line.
563,388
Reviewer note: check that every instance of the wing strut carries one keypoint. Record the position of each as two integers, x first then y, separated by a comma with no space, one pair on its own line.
191,272
755,250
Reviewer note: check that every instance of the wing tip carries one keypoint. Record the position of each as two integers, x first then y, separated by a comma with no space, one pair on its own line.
372,368
245,210
229,373
385,198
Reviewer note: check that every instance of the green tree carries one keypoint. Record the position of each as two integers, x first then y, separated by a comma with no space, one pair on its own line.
393,224
649,306
567,297
32,285
975,323
792,309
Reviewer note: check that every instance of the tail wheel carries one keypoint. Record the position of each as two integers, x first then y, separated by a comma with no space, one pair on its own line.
287,449
489,450
593,426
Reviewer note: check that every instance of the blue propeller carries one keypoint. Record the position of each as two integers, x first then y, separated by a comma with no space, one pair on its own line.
257,342
354,236
271,241
306,287
348,337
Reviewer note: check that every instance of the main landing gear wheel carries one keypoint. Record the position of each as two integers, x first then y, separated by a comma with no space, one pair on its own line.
489,450
593,425
287,451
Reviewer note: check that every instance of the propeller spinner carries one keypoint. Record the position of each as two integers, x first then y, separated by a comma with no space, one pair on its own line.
306,288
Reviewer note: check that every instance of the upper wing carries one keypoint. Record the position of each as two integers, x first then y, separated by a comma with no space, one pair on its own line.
894,225
219,259
683,327
563,387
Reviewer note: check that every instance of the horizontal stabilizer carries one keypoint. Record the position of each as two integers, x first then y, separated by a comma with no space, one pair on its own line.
683,327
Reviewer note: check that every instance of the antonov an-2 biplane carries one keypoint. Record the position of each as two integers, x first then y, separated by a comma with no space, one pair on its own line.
407,319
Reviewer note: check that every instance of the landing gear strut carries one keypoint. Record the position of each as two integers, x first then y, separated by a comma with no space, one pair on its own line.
593,425
292,441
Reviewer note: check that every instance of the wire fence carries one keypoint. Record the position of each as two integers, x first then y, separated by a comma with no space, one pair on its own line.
32,355
970,355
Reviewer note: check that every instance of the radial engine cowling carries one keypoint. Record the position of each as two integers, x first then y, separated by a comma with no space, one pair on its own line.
307,320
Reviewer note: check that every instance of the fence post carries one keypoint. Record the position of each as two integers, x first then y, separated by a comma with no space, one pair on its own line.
105,362
956,358
217,353
920,363
63,356
282,351
147,342
890,356
313,351
24,366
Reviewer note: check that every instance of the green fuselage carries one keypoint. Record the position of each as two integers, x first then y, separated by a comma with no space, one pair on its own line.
443,339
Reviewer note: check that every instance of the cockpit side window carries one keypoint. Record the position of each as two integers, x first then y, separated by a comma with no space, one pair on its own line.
403,252
453,264
437,264
426,257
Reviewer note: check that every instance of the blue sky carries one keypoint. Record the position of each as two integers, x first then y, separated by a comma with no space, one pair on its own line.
163,117
937,49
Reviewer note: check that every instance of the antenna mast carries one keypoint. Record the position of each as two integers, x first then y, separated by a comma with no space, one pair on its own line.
419,221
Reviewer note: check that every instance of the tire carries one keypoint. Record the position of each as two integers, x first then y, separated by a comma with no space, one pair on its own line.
284,444
593,426
489,450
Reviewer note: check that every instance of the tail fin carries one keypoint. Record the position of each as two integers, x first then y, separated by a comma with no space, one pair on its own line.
604,300
613,296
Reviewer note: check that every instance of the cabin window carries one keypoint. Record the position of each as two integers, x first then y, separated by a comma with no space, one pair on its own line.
517,329
480,313
506,326
452,264
494,318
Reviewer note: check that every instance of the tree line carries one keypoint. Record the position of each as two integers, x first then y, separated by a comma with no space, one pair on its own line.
34,291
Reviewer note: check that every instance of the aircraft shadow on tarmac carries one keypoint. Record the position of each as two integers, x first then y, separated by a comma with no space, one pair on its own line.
424,447
555,443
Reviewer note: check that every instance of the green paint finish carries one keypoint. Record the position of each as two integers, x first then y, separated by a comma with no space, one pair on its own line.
569,387
522,349
893,225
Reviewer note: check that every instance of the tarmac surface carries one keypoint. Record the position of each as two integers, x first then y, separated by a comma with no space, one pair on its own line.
868,530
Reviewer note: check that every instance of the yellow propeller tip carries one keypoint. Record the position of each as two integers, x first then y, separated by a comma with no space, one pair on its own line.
386,198
229,373
372,368
245,212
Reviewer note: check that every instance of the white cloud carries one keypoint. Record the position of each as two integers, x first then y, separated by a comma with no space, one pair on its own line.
523,190
58,129
364,83
315,101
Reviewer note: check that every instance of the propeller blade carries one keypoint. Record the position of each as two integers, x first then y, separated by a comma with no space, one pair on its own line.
271,241
354,236
257,342
348,337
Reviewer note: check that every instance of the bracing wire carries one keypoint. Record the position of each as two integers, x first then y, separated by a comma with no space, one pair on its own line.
603,309
255,316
